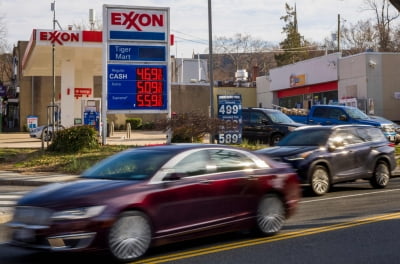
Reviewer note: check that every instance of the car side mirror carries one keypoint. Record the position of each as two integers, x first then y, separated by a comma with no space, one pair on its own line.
343,118
331,147
264,122
174,176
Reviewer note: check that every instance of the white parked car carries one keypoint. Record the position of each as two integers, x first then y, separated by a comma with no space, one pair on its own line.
45,132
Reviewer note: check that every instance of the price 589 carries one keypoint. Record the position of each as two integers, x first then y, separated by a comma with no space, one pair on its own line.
229,138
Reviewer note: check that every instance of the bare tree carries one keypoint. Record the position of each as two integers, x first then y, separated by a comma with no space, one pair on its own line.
359,37
384,16
242,51
4,47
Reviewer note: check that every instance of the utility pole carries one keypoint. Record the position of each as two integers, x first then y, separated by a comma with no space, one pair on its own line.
338,32
53,103
211,66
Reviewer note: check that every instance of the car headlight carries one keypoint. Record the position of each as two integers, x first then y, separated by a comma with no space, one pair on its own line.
78,213
291,128
299,156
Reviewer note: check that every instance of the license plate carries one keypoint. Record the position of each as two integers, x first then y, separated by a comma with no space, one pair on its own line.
24,234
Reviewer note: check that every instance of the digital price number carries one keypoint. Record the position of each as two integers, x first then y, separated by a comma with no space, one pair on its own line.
229,138
229,109
149,87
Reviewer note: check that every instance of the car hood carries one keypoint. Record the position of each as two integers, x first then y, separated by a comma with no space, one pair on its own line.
294,124
370,122
55,194
285,150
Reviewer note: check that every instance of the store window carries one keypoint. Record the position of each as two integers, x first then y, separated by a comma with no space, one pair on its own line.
307,100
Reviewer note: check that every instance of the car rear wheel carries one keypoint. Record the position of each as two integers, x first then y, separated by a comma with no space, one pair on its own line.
270,215
320,180
381,175
130,236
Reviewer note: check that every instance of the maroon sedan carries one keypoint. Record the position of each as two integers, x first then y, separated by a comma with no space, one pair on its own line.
150,196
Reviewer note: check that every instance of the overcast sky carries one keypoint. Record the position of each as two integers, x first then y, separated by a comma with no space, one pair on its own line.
317,19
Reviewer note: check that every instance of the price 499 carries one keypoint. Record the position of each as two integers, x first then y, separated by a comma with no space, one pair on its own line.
227,109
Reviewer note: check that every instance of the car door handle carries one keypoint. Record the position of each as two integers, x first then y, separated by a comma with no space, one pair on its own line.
252,178
205,181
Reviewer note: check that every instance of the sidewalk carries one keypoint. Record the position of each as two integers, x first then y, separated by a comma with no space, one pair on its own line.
135,138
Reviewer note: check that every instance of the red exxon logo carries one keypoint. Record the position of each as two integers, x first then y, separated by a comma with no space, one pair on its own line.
137,20
59,36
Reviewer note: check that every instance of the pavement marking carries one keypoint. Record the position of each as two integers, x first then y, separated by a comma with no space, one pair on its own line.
349,196
280,236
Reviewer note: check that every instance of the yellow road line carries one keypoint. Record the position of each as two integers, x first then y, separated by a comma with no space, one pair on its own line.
281,236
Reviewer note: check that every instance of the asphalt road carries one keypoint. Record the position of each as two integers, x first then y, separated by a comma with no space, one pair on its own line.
352,224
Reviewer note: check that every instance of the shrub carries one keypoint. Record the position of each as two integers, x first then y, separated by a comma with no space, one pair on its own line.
190,127
75,139
136,122
148,126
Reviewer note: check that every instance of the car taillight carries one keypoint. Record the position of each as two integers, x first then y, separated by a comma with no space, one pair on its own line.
391,144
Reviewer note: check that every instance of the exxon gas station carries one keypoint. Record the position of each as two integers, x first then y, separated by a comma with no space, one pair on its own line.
131,54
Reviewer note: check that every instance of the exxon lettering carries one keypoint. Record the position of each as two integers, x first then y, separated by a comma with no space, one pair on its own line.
137,20
59,37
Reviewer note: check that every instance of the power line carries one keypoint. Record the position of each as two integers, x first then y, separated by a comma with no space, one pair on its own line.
190,40
192,36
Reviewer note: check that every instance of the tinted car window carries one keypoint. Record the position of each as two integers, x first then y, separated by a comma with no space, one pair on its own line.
371,134
193,164
335,113
227,160
129,165
279,117
321,112
356,113
347,137
257,117
306,138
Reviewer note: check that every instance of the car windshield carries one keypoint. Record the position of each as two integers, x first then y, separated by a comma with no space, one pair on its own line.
356,113
279,117
304,137
135,164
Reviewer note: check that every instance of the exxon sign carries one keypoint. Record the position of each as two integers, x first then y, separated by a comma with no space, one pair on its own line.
137,24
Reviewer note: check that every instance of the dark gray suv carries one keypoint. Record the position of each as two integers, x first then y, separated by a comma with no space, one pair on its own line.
325,155
266,125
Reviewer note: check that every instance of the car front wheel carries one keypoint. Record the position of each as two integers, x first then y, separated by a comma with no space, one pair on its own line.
381,175
130,236
320,180
270,215
47,135
275,139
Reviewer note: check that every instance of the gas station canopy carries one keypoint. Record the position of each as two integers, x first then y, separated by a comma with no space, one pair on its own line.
82,48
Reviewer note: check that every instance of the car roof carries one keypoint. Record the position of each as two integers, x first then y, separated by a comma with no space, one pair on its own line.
262,109
341,106
178,147
331,127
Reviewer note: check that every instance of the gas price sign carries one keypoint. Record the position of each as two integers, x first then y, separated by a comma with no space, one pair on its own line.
137,87
230,111
136,59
